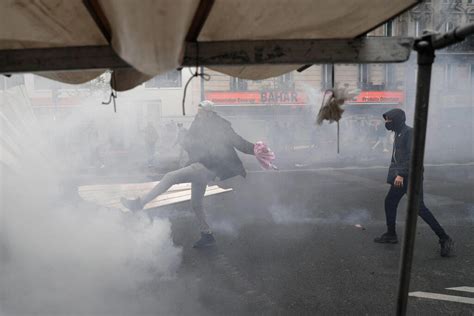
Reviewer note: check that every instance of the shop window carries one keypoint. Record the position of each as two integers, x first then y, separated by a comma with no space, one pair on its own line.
171,79
237,84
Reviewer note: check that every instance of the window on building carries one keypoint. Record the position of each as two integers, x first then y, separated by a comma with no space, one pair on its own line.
363,81
326,76
237,84
285,82
448,26
417,28
171,79
388,28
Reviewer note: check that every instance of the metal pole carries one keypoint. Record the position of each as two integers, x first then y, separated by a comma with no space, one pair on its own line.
333,84
425,61
202,85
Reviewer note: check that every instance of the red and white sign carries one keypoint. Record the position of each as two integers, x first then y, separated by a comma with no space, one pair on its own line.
270,97
293,97
378,97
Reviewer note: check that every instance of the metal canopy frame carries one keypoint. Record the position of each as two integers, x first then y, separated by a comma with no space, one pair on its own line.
231,53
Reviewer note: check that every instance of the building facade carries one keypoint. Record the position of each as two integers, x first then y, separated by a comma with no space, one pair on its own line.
295,95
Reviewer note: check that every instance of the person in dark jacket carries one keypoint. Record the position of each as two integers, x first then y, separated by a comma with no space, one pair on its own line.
398,180
210,143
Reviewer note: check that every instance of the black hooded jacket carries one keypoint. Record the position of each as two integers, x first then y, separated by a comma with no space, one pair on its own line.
211,141
399,166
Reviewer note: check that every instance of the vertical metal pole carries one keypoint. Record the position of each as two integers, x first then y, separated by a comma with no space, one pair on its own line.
333,84
415,178
202,85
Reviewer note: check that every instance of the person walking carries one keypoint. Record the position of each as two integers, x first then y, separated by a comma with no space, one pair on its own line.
398,180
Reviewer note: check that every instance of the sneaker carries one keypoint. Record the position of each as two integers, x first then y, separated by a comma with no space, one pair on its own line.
387,239
207,239
132,205
447,247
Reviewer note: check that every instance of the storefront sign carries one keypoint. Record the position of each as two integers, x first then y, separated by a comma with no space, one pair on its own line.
269,97
378,97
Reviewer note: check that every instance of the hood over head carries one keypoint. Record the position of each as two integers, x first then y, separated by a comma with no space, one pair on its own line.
397,117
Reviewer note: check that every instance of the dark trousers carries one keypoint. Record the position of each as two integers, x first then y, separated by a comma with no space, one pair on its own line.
392,199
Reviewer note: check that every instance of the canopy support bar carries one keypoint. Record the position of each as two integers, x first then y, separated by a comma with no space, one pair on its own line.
303,52
233,53
99,17
60,59
200,17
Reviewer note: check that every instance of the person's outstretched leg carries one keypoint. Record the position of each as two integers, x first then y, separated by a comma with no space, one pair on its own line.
392,199
194,172
446,243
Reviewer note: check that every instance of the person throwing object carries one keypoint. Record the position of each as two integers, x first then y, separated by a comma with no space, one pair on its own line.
210,143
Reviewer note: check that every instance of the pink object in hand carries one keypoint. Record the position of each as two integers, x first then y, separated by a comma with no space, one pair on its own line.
265,155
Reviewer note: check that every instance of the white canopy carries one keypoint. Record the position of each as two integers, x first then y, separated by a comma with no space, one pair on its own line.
150,34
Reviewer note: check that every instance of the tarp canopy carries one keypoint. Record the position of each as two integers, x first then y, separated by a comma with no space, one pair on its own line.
150,35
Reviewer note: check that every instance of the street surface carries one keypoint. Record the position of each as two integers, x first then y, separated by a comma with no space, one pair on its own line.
300,241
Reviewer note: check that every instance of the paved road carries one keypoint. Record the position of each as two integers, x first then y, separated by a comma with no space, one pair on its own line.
300,242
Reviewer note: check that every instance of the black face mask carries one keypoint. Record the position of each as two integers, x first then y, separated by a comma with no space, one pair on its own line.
389,126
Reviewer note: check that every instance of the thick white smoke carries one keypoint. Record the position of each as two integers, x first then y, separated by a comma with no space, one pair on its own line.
60,255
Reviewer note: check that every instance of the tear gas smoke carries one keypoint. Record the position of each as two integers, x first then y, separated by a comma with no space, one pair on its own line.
284,215
61,256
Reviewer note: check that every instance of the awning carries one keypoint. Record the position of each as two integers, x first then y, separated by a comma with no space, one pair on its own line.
150,36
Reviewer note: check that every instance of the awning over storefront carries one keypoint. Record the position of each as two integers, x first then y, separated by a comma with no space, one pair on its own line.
149,37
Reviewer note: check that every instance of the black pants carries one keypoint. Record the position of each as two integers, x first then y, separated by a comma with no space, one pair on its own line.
392,199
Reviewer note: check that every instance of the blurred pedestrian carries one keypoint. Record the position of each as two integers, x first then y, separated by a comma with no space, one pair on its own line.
381,139
180,136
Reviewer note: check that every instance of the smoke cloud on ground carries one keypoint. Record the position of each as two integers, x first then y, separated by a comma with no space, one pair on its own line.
62,256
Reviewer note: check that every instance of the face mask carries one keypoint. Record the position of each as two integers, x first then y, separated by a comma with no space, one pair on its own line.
389,126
